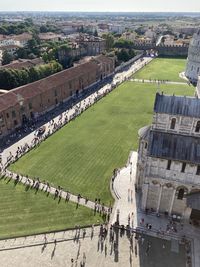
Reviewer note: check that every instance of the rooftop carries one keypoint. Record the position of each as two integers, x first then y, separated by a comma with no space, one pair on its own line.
177,105
174,147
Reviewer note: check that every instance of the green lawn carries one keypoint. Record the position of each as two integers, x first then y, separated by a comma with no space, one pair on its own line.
82,155
24,212
162,69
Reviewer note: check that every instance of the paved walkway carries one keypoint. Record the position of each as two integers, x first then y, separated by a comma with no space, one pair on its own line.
45,252
123,187
158,82
60,192
128,202
40,239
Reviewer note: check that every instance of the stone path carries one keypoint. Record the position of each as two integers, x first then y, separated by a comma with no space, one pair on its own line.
89,249
123,187
122,183
61,193
40,239
158,82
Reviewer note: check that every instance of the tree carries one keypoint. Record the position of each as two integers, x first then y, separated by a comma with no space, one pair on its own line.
109,41
22,52
43,28
6,58
96,33
123,55
123,43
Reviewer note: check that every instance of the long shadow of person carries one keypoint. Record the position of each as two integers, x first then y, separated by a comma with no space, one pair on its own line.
54,249
43,247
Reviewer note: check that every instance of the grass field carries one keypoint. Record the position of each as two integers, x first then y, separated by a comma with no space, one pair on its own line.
82,155
163,69
24,212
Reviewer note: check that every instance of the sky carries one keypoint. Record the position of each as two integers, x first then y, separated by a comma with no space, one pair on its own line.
102,5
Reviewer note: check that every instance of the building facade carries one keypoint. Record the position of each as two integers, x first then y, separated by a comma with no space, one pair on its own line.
198,87
29,101
193,62
168,170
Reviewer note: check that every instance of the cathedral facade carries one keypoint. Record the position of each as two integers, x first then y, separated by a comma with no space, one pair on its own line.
168,169
193,62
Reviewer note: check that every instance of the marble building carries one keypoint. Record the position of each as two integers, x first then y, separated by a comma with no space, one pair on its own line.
168,169
193,62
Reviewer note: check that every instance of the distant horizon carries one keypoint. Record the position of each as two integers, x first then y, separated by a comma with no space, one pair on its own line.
125,6
78,11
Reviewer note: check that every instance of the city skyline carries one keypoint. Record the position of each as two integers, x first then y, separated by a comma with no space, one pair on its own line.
103,6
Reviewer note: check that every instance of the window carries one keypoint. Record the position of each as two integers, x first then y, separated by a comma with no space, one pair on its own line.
180,194
13,114
173,123
183,167
55,93
145,146
197,129
15,122
169,164
198,170
7,115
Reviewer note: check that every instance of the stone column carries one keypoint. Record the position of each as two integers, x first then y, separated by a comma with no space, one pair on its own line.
187,213
159,199
172,201
145,188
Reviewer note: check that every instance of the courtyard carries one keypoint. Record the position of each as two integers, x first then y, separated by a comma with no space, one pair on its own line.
95,252
81,158
83,154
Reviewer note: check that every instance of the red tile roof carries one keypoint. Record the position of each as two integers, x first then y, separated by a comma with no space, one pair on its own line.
33,89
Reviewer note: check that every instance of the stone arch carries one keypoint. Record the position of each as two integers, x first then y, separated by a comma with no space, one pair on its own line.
181,192
197,127
173,123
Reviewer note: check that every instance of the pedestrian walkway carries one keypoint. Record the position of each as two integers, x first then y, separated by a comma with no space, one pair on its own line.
128,203
48,238
158,82
58,193
123,186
